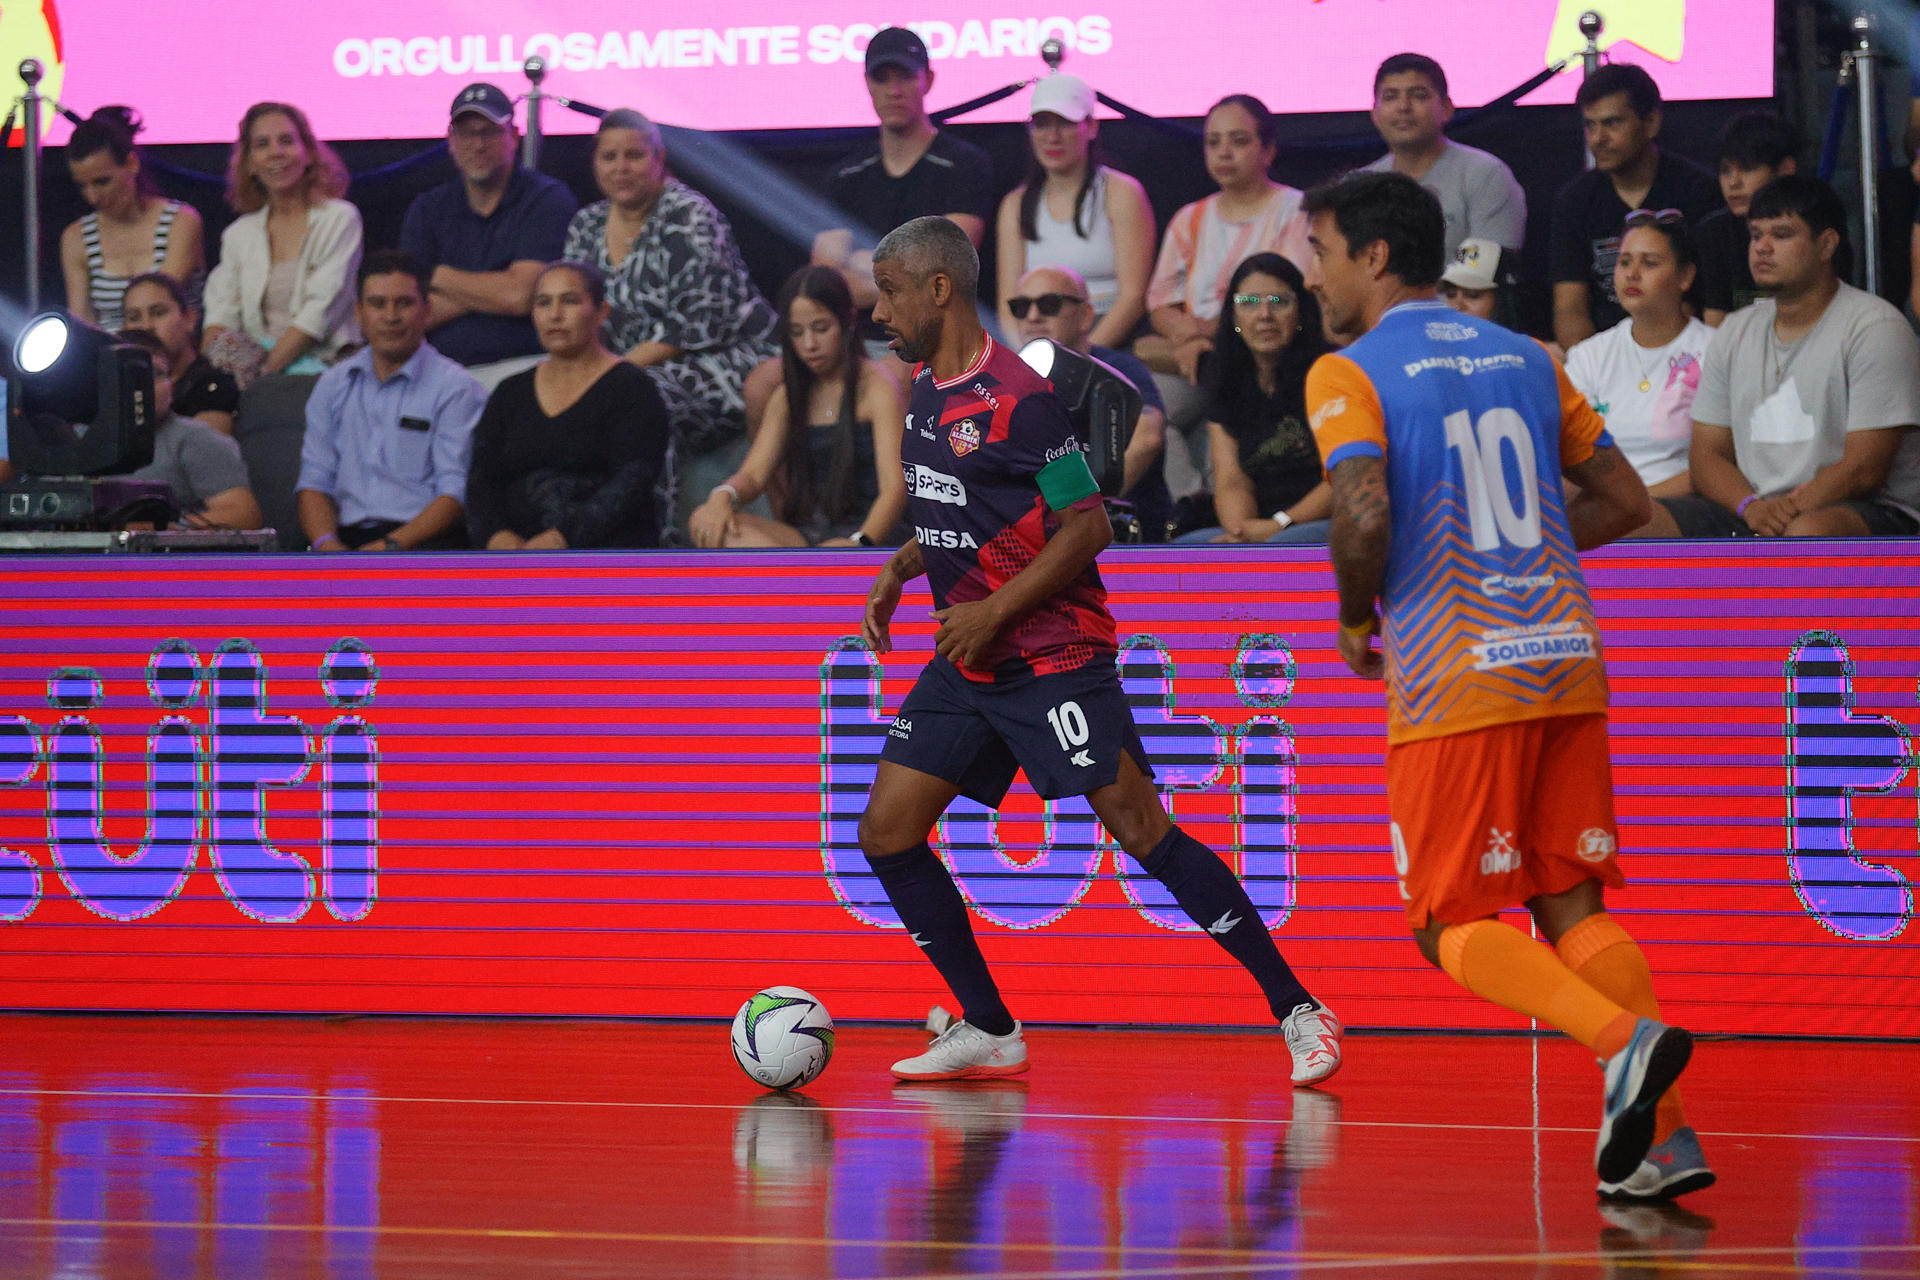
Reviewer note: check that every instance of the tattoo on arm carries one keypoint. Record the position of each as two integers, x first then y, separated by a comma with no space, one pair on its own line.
1362,535
907,563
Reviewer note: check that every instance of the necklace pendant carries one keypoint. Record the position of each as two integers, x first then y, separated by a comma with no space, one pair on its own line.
1646,384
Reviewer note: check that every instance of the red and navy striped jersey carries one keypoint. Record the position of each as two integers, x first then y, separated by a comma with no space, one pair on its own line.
973,452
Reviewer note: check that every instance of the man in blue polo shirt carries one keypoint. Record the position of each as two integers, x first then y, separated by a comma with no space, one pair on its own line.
484,236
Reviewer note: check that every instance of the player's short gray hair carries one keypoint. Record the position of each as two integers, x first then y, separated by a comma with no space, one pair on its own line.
628,118
931,244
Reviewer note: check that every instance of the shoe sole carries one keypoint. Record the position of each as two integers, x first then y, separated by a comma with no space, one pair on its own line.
1315,1081
1632,1135
1684,1184
978,1072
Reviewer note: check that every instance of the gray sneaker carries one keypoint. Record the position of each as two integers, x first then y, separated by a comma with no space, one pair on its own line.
1672,1168
965,1052
1636,1077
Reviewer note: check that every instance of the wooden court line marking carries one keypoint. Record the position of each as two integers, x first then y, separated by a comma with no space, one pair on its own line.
909,1110
1254,1260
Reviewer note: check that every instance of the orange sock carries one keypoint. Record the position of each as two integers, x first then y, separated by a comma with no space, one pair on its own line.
1606,958
1499,963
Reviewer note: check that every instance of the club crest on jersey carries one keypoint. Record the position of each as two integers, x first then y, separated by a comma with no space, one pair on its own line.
964,436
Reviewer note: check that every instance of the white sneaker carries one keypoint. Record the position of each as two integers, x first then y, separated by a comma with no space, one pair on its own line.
1313,1038
965,1052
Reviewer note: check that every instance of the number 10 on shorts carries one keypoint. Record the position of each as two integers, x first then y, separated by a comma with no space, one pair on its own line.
1069,725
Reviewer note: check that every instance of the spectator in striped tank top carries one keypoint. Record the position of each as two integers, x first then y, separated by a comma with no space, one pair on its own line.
132,229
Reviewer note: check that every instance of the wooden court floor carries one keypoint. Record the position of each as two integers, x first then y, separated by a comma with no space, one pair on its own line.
344,1149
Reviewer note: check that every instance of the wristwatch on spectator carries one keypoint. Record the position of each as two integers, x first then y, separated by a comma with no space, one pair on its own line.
1282,519
859,538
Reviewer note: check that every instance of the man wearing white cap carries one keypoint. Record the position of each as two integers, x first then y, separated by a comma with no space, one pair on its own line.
1478,193
1474,280
1074,213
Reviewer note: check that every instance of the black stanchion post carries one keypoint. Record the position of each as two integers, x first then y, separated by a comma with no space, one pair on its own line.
30,73
536,69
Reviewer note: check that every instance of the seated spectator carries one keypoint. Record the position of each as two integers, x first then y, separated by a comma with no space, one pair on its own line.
831,467
1754,148
1621,107
1076,213
910,170
1642,374
1053,302
1205,242
201,466
1804,422
390,428
1268,485
281,299
1479,282
157,303
485,235
572,452
132,229
1477,191
680,301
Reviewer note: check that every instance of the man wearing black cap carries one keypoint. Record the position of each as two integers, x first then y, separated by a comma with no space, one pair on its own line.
485,235
912,169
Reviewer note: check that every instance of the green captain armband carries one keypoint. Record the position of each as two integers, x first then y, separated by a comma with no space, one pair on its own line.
1066,480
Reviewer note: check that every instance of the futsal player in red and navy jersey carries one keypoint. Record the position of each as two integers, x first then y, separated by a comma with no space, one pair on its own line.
1007,522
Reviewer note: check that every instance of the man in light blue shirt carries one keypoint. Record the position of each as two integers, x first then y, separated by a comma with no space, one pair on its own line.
390,429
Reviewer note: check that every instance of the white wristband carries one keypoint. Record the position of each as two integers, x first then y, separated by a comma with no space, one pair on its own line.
733,494
1282,519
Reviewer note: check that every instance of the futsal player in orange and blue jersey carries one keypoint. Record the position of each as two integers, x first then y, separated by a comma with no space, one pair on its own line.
1445,439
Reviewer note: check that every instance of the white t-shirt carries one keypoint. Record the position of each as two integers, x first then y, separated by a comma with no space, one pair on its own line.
1652,428
1791,405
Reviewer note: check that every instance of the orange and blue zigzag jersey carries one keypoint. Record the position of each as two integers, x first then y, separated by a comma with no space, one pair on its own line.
1485,614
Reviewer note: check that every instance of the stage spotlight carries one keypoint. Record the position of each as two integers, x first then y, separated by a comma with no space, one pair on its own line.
1102,404
86,401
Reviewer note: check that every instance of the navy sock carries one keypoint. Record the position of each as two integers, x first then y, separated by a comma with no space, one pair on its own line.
1213,898
929,904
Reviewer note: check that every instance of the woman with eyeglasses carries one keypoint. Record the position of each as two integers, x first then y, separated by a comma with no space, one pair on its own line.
1073,211
1641,374
1267,480
828,451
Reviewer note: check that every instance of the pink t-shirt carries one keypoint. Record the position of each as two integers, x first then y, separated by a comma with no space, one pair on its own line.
1201,249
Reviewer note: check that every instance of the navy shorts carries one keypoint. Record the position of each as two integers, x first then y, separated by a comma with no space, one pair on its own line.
1068,730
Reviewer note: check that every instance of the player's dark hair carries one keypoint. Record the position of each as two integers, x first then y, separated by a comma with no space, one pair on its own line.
1401,63
1798,195
392,262
1234,381
796,485
1265,126
1390,207
1643,95
1756,140
112,130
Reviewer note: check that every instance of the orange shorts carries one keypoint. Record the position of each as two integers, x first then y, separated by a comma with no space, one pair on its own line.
1485,820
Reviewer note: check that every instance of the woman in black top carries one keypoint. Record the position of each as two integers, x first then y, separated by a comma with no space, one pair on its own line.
1267,481
571,452
828,452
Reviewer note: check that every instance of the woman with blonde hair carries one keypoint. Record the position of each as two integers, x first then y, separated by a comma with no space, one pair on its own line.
281,300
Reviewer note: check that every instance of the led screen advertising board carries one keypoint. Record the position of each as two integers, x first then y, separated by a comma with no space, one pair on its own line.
629,785
372,69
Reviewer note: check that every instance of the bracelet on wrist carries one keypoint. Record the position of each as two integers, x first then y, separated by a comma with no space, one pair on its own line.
1746,502
1371,627
733,494
323,540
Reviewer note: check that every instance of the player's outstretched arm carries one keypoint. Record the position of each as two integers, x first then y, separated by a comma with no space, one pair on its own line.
968,629
902,567
1612,501
1362,537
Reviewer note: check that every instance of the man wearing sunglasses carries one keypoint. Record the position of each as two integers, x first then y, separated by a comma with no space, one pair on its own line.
1051,302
